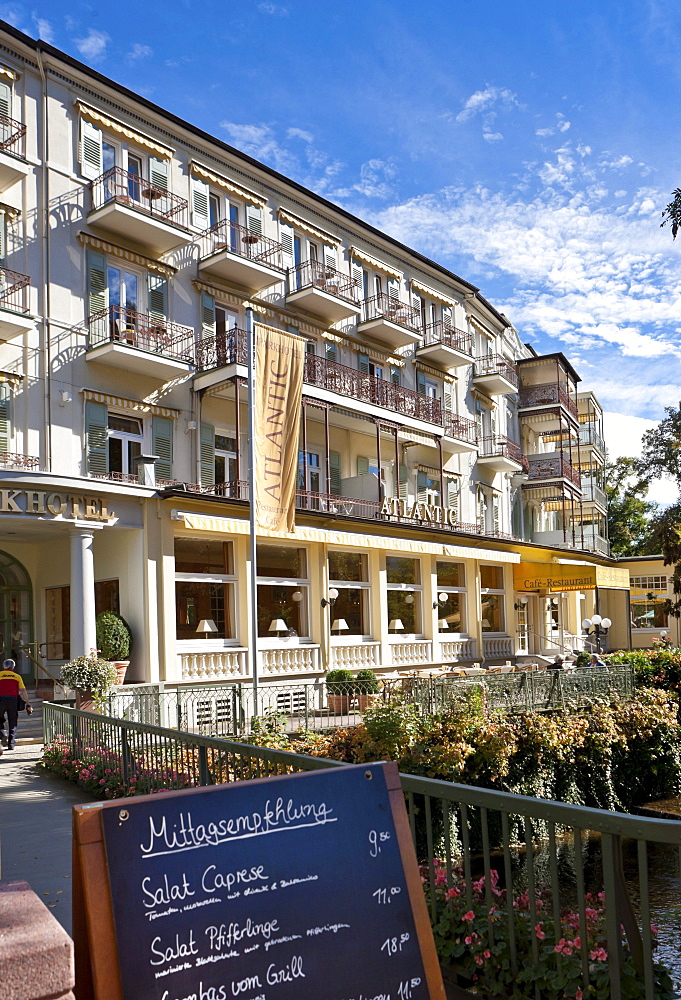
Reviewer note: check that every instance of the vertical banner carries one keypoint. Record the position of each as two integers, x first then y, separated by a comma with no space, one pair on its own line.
279,362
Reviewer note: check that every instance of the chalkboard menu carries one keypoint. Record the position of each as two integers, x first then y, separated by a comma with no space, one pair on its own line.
286,888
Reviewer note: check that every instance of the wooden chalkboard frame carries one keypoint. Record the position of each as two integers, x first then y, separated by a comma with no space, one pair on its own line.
94,935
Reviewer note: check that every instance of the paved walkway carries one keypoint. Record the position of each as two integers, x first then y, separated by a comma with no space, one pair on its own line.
35,828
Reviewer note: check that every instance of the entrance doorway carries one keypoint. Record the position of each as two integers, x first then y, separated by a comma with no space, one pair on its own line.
16,614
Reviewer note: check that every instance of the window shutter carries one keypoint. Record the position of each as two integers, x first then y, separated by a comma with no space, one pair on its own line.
311,347
447,316
254,219
416,301
330,257
481,509
362,465
207,455
393,288
447,397
200,196
331,352
493,422
453,496
96,435
90,149
422,487
395,376
96,282
421,383
158,295
207,315
5,100
357,273
158,172
3,237
363,363
335,473
286,239
5,418
162,444
478,423
495,512
404,482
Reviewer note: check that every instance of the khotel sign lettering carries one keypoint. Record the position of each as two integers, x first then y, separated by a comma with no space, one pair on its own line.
419,511
71,506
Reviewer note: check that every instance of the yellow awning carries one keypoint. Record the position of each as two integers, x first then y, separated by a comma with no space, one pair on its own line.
308,227
378,265
347,539
228,185
432,293
94,115
125,403
558,577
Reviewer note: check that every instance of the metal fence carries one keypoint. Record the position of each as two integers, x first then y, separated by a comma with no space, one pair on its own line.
495,847
228,709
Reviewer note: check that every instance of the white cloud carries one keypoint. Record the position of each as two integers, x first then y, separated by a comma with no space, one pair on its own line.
14,15
299,133
93,45
43,27
491,136
273,9
485,100
623,434
139,51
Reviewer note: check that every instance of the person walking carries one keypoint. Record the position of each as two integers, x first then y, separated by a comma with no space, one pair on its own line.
11,689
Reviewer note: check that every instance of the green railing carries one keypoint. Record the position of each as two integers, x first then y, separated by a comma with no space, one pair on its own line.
558,856
228,709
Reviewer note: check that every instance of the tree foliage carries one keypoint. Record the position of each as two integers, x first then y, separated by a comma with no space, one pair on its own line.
672,213
661,456
629,513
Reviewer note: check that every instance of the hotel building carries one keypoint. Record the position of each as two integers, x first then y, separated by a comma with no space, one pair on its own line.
450,503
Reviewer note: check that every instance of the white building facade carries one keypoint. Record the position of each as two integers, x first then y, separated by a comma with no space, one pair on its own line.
437,452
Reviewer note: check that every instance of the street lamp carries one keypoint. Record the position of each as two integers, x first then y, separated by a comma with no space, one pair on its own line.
599,628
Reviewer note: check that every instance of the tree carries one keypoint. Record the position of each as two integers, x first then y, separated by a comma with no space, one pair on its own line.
629,513
672,213
661,456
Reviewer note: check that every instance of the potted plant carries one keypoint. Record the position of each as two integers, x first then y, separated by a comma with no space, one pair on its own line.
339,690
366,688
113,642
91,677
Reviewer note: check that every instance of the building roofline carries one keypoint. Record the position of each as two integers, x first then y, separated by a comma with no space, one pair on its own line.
38,45
556,355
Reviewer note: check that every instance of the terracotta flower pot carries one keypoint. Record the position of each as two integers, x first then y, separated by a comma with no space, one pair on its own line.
85,700
121,667
339,704
365,701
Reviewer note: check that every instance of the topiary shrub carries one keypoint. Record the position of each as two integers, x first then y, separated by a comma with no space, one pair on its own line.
366,682
113,636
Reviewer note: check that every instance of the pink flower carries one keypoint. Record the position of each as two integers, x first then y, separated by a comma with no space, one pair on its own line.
468,916
478,960
599,955
540,933
468,940
451,893
487,953
577,942
578,995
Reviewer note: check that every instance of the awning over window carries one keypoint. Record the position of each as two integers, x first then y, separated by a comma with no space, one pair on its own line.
308,228
228,185
139,138
378,265
558,577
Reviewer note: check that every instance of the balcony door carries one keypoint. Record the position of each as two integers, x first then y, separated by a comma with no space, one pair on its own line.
122,290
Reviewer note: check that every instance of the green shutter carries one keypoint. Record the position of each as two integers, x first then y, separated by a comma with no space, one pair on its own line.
96,282
395,376
362,466
96,438
421,383
158,295
162,445
404,482
207,455
335,473
453,496
496,513
422,487
363,363
447,398
207,315
5,419
331,352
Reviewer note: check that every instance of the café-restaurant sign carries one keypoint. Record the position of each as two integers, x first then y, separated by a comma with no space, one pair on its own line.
68,506
556,577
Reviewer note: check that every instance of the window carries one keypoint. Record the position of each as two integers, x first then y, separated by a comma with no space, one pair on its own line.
309,472
649,584
225,459
204,589
124,293
58,622
451,581
403,579
367,367
283,590
213,209
348,573
106,597
492,598
125,442
649,614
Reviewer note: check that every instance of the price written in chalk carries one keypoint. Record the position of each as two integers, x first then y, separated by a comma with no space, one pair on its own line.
406,988
393,945
384,896
376,838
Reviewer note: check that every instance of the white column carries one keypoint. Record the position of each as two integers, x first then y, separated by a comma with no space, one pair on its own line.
83,635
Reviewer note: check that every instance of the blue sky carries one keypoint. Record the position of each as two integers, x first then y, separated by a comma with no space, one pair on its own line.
530,146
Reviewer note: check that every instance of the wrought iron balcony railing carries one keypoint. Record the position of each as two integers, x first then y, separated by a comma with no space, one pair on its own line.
459,427
14,290
226,235
314,274
552,394
442,333
12,137
495,364
145,331
11,460
389,308
132,191
498,446
229,348
553,467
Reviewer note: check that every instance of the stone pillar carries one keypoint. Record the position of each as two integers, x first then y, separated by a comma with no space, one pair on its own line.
83,635
145,467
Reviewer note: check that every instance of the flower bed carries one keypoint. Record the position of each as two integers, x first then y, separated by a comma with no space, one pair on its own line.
476,937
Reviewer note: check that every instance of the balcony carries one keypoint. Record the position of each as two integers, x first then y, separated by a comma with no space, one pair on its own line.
14,318
391,322
593,542
13,166
494,375
500,454
131,207
141,343
592,493
590,438
240,256
535,398
551,467
446,346
323,291
460,433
